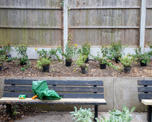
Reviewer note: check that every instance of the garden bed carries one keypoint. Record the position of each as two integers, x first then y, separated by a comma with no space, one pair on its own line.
58,69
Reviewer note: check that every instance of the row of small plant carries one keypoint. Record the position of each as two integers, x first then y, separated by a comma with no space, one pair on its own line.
86,115
80,56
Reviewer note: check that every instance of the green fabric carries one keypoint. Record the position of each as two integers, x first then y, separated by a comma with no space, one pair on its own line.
40,88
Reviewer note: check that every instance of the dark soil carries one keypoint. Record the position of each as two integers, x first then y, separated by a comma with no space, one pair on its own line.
58,69
19,112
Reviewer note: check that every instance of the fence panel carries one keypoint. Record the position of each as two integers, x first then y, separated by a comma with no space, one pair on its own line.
32,22
101,21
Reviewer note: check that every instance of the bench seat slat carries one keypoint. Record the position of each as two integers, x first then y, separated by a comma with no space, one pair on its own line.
145,96
147,102
62,101
57,89
64,95
145,89
55,82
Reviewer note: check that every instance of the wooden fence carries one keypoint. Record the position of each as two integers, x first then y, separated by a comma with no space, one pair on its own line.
48,22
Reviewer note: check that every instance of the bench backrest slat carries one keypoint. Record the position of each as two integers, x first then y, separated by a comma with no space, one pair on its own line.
57,89
55,82
145,89
67,89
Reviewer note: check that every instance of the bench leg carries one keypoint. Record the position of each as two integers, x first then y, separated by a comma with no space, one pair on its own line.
149,114
9,110
95,112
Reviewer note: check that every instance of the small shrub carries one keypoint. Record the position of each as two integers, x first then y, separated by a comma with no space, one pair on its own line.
23,58
70,51
118,116
81,60
43,62
53,54
115,51
141,57
42,53
82,115
126,61
85,50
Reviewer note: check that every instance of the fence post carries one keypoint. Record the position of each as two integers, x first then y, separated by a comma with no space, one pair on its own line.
65,24
142,24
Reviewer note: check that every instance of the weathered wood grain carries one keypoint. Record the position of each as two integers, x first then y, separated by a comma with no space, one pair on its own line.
34,27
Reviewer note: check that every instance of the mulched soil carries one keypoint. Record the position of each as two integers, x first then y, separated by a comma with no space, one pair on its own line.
19,112
58,69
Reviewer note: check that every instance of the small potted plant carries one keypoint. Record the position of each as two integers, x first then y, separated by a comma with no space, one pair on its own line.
103,63
69,53
85,50
145,59
44,64
81,63
23,58
142,58
116,51
126,62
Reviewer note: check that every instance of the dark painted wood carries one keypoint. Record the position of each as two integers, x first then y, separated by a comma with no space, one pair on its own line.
56,88
145,89
145,96
55,82
145,82
95,113
64,95
149,114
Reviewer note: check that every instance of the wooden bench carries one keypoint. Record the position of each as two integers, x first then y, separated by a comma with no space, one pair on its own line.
145,96
74,92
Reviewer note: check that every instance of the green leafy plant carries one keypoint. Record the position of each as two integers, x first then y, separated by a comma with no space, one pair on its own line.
53,53
2,59
43,53
150,52
82,115
70,51
101,59
85,50
115,51
118,116
81,60
23,58
141,57
126,61
43,62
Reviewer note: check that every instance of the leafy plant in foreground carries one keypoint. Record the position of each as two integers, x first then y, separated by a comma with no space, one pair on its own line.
82,115
118,116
